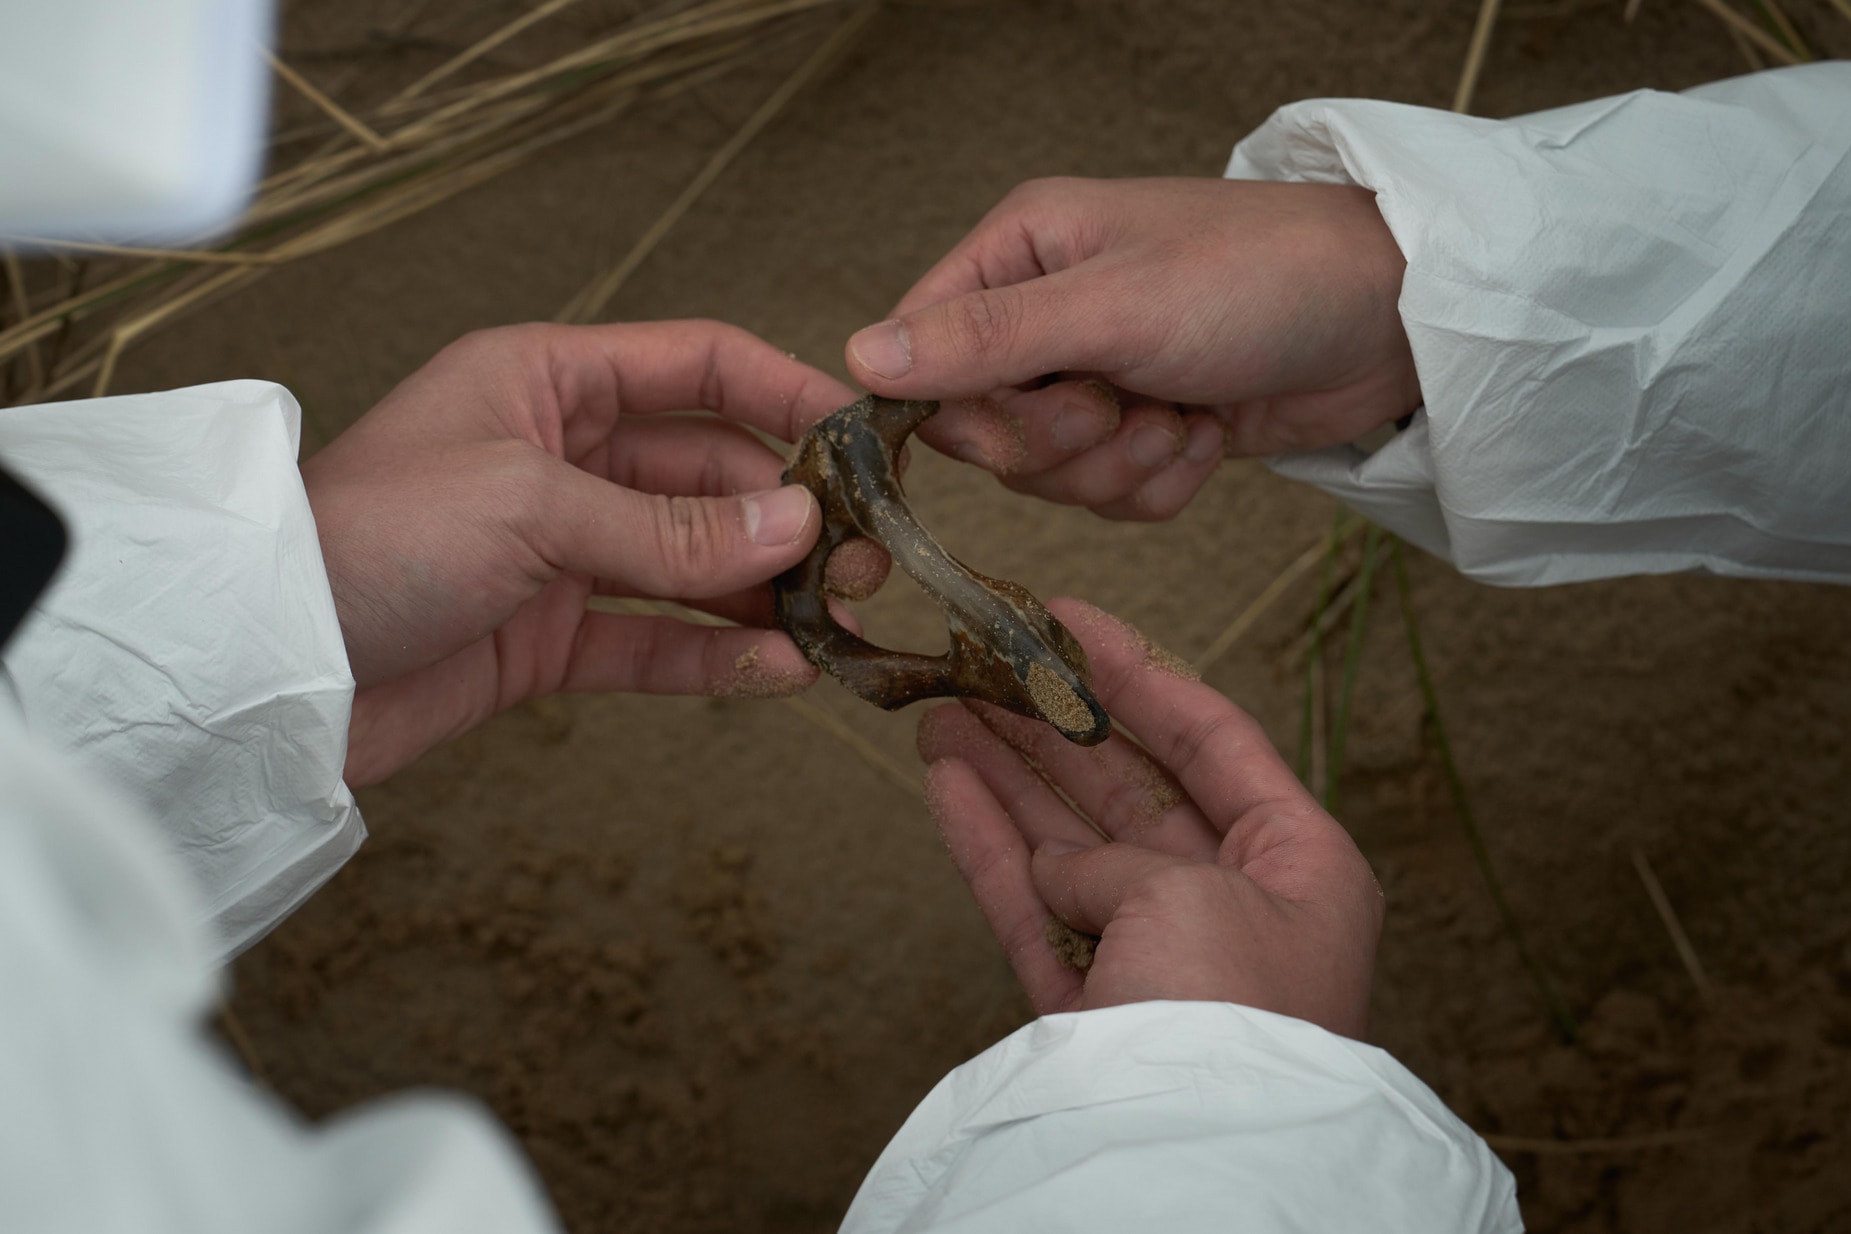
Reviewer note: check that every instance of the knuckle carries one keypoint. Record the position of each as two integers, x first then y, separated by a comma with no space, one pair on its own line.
985,323
688,537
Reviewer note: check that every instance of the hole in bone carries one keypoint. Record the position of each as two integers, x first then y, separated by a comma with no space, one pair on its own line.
901,617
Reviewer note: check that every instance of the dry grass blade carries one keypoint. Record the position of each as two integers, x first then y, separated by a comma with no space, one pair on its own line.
1475,55
1553,1005
722,17
1843,7
482,47
1236,629
1788,34
590,301
1632,9
816,714
1766,42
194,257
1750,56
1666,914
870,753
127,333
16,286
1545,1147
333,110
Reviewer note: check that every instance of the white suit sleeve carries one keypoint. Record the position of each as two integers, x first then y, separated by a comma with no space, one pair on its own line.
1631,320
188,650
1183,1117
117,1113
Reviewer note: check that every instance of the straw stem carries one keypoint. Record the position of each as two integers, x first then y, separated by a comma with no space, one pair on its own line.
482,47
1236,629
590,301
1766,42
16,284
1475,55
1679,940
197,257
1545,1147
333,110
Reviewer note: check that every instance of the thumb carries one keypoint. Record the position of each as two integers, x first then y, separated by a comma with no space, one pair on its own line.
978,342
1084,886
686,547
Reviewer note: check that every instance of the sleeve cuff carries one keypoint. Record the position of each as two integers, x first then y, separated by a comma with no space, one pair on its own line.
189,651
1184,1117
1628,321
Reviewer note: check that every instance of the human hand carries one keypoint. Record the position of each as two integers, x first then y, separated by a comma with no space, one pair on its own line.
1176,319
467,518
1222,879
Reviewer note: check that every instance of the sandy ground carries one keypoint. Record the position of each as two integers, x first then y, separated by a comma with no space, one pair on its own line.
703,959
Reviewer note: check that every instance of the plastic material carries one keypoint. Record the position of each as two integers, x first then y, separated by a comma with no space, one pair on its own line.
189,651
1629,318
1183,1117
136,122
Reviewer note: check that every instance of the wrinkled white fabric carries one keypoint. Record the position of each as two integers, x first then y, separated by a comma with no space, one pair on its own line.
188,650
1631,320
1183,1117
118,1115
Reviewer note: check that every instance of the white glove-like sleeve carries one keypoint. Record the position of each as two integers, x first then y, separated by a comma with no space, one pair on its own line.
189,650
117,1115
1183,1117
1632,324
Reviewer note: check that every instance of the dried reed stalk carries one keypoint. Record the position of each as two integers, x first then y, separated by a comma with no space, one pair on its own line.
1475,55
1778,17
1749,30
185,257
328,107
16,287
591,299
1661,903
337,195
1546,1147
482,47
1248,617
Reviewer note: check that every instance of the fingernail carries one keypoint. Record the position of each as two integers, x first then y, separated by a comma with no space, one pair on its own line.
1078,427
886,349
1152,446
778,516
1205,440
1059,848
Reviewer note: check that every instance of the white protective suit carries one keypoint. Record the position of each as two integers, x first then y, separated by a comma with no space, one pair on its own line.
1630,323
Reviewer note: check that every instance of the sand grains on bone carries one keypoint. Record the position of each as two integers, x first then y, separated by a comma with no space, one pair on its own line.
1056,700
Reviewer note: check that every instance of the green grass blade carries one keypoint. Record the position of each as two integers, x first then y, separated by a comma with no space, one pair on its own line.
1312,657
1352,661
1557,1009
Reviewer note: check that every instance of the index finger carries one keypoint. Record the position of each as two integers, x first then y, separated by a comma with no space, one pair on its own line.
1219,753
658,366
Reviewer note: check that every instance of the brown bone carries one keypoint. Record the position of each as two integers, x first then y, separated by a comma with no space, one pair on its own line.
1006,648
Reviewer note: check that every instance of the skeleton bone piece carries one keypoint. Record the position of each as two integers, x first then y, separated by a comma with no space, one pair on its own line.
1006,648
